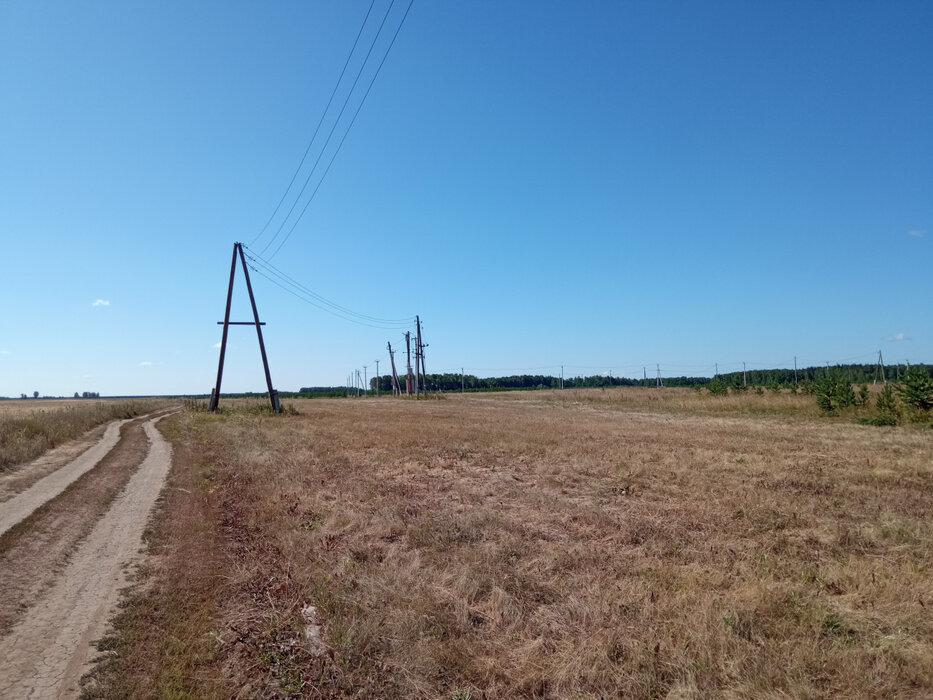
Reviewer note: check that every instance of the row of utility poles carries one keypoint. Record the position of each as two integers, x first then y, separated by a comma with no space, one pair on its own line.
415,375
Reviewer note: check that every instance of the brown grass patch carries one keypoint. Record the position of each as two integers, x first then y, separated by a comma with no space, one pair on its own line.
28,428
582,544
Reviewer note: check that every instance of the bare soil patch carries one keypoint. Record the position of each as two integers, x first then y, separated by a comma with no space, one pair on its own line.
45,652
34,553
584,546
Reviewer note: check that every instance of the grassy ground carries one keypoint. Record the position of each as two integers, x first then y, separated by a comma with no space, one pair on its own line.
619,543
29,427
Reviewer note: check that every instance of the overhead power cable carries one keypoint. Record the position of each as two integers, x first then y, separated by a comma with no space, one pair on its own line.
319,123
280,279
342,140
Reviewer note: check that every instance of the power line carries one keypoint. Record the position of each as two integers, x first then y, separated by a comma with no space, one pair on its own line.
265,269
320,122
333,129
344,138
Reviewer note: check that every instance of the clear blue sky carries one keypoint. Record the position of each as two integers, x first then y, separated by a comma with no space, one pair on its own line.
599,185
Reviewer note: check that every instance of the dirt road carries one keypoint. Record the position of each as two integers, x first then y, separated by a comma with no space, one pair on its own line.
46,652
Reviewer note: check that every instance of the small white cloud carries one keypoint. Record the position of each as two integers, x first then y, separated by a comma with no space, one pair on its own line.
916,233
101,302
216,345
146,364
898,337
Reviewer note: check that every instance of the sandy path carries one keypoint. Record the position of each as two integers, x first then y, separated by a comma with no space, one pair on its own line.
45,655
22,505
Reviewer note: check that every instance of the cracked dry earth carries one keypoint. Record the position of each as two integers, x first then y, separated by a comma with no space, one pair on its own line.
67,543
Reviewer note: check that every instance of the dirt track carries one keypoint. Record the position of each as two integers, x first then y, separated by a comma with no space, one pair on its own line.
45,654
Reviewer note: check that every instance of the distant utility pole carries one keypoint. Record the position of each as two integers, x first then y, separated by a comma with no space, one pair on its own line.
462,383
226,323
377,379
561,376
408,382
717,370
396,387
419,358
660,382
365,381
644,372
744,376
796,383
357,384
880,366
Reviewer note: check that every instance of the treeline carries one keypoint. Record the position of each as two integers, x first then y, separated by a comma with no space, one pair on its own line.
856,374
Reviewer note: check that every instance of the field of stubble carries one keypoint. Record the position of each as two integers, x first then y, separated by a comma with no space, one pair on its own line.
634,543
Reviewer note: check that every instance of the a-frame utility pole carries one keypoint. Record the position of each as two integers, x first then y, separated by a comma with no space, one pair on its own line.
215,393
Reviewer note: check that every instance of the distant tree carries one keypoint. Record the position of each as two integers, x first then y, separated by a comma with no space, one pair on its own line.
35,394
889,411
916,390
76,395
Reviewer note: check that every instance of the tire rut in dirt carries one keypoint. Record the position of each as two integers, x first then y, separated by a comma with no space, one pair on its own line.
45,652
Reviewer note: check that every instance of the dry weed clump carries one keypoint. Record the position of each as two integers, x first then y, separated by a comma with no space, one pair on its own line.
29,428
576,545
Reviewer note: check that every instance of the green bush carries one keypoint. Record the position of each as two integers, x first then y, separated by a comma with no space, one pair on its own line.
889,410
833,393
916,391
717,387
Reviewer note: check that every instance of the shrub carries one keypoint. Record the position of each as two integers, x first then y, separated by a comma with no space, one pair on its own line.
833,393
916,390
717,387
889,410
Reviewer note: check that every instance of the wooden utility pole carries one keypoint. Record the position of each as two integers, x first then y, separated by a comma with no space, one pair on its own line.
396,387
365,380
408,383
796,383
660,383
377,378
744,376
879,366
561,376
419,356
226,323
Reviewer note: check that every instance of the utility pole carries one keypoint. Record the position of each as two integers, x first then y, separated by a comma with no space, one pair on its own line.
377,379
561,376
226,323
796,383
408,386
881,367
644,372
419,355
365,381
660,382
744,376
462,383
717,370
396,387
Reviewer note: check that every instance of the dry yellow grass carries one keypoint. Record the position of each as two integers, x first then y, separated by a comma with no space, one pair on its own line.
634,543
29,427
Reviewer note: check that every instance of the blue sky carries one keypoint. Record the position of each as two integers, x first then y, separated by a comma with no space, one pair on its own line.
599,185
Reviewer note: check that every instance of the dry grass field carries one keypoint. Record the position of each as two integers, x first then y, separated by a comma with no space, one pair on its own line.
634,543
29,427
